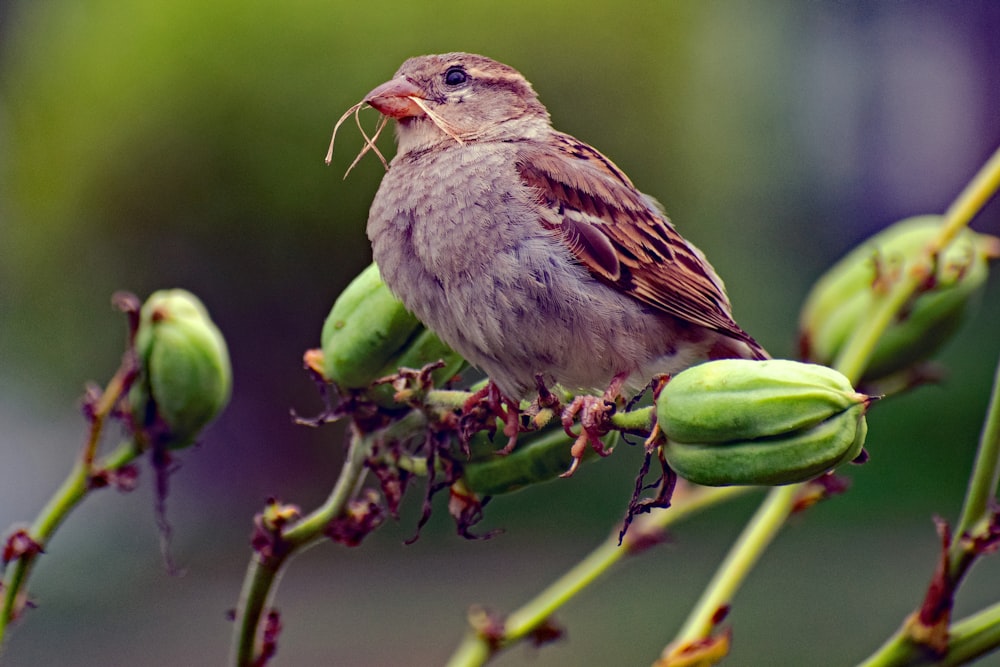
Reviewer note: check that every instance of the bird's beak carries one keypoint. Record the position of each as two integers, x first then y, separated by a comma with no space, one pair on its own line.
393,98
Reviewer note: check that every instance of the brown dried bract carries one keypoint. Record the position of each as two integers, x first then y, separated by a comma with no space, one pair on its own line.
358,520
20,543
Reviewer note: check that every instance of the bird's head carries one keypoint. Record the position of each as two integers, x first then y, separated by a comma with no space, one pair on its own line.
458,97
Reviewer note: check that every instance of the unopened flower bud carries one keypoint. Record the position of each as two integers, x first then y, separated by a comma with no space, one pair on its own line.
184,373
743,422
843,297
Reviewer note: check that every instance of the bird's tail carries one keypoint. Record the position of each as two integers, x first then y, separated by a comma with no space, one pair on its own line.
738,347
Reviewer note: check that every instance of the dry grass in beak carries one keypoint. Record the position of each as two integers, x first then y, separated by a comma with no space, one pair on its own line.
442,124
369,141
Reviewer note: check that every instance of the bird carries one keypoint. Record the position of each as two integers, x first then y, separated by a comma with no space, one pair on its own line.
528,251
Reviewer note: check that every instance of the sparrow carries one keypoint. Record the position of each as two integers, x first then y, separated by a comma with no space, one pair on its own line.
528,251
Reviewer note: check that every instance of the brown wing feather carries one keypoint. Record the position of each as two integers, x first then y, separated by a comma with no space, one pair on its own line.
621,236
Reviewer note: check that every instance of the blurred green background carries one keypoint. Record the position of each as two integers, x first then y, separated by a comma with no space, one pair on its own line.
146,145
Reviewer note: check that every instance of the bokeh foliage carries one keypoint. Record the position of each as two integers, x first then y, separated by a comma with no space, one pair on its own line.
147,145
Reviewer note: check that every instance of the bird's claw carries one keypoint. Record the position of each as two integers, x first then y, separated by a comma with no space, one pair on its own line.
595,421
487,404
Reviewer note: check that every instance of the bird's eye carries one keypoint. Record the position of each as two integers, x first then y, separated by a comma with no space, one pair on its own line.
455,76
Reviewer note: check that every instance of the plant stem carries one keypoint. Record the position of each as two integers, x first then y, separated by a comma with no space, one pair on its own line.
859,348
525,619
969,638
974,636
975,522
747,550
476,650
259,583
639,419
309,528
69,494
260,580
971,200
764,526
447,398
977,512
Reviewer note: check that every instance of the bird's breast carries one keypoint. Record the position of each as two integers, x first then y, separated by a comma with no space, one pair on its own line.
452,211
458,239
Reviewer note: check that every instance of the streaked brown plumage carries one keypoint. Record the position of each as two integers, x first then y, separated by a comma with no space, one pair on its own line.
528,251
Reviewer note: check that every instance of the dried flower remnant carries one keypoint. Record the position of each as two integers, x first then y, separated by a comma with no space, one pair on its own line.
359,519
124,479
267,538
18,544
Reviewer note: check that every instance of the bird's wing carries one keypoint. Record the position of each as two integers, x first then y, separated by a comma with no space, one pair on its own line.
621,235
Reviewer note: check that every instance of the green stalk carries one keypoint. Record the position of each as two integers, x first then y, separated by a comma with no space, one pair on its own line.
969,639
768,521
901,649
476,650
749,547
640,419
858,350
70,493
260,581
262,575
765,525
973,636
977,509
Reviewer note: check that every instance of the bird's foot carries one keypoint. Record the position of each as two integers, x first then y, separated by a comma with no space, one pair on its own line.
595,421
488,404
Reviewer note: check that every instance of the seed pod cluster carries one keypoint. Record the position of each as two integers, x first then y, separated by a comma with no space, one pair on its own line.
369,334
744,422
844,296
185,377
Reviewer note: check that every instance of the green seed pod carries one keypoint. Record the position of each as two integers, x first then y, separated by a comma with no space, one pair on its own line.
364,332
789,458
184,374
538,457
843,297
369,334
741,399
423,348
737,421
